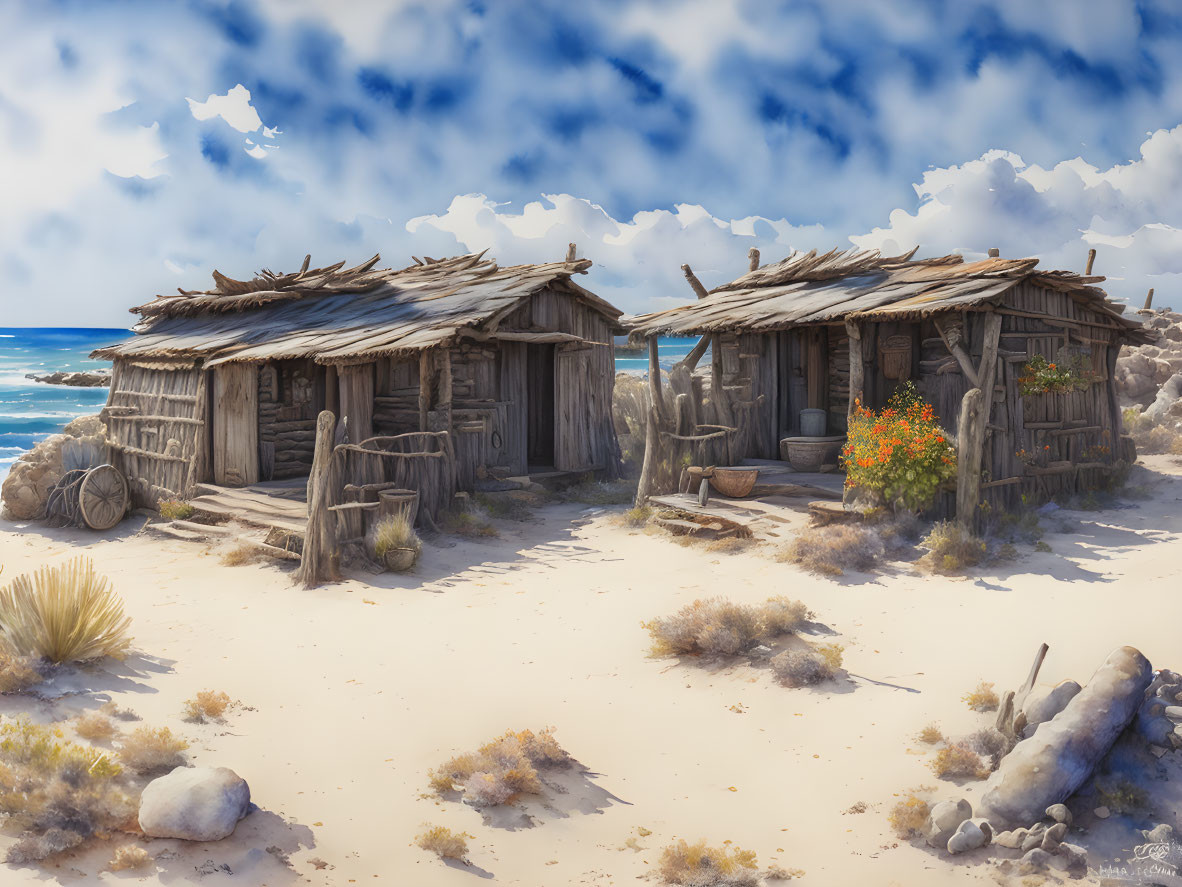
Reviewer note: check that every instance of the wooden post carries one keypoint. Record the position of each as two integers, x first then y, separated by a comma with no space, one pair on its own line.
357,399
654,377
1149,299
994,252
972,422
318,560
571,252
951,339
857,367
752,259
444,404
650,455
424,388
722,412
1091,260
696,284
690,361
332,390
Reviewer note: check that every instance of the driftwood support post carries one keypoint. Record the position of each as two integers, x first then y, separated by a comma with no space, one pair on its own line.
424,389
571,252
650,457
951,337
691,360
318,560
1091,260
752,259
722,412
971,426
445,386
994,252
857,368
654,377
1149,299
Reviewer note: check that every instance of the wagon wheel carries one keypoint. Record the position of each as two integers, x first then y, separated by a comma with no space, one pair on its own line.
102,497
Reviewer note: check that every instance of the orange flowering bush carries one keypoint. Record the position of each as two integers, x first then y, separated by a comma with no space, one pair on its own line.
900,453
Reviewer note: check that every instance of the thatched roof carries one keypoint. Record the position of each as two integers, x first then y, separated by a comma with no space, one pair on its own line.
807,288
337,315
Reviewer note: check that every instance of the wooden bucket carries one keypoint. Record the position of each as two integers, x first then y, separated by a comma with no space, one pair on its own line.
395,502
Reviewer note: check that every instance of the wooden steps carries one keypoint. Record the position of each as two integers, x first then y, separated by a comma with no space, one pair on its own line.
254,507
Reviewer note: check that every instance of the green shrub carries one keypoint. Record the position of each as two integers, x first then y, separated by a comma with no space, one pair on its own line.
64,614
175,509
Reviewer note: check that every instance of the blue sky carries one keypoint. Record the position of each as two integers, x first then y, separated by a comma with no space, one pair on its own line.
143,144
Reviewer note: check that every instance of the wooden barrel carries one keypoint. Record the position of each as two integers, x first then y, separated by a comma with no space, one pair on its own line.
395,502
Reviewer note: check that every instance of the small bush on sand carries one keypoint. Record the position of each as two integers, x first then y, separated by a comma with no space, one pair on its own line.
636,517
443,842
393,532
95,726
809,665
951,548
501,769
56,793
129,857
148,750
17,673
508,506
175,509
468,523
699,865
957,761
981,698
718,627
991,744
239,555
832,550
931,735
207,705
64,614
593,492
907,817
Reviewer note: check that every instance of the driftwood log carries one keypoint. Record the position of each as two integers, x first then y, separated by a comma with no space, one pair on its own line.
317,562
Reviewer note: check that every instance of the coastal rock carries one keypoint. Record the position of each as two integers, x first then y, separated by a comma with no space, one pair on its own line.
1052,764
943,821
1011,839
968,836
1044,703
1054,836
1074,855
88,379
82,444
1059,813
1037,860
194,803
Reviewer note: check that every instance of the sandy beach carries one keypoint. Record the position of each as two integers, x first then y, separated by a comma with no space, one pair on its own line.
350,693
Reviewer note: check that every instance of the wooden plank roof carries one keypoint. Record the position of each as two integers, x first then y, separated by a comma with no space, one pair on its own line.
811,288
343,316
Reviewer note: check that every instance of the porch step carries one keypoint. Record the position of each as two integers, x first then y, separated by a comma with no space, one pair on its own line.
254,509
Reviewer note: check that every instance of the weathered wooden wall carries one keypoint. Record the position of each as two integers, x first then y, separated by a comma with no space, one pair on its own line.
291,395
156,420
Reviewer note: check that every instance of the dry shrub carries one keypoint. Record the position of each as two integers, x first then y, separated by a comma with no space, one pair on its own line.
718,627
95,726
951,548
175,509
811,664
832,550
908,816
148,750
239,555
129,857
636,517
207,705
593,492
468,523
55,792
991,743
17,673
699,865
728,545
501,769
112,710
443,842
395,531
931,735
64,614
958,761
981,698
779,873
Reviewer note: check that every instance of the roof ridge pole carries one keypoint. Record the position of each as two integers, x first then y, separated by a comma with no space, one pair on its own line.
572,252
691,360
994,252
1148,300
753,259
1091,259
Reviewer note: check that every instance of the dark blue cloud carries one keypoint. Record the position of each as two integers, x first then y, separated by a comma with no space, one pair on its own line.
240,23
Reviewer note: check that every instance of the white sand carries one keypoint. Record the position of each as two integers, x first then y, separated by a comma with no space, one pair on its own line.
358,690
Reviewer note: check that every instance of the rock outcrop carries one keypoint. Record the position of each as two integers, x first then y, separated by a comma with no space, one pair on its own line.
194,803
1048,767
77,379
82,444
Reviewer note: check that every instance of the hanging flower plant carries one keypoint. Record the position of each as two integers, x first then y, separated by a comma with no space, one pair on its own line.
1041,376
901,452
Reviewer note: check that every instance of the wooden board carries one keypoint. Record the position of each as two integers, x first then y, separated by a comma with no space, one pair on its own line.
235,425
572,424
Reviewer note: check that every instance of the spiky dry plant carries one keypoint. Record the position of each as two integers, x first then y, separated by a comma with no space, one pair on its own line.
443,842
393,532
129,857
207,705
148,751
64,614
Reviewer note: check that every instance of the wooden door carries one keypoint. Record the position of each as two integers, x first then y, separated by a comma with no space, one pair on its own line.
794,385
540,399
235,425
573,409
357,399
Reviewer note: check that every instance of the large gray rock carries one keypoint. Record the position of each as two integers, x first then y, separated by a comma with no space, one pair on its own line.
1044,703
943,821
194,803
1052,764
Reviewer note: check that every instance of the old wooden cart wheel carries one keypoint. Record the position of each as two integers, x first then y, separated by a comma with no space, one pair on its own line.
102,497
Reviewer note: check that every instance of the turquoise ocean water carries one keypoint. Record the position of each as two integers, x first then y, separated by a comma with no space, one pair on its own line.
31,411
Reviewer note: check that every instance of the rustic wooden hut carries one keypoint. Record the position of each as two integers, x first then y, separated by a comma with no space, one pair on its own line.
496,371
823,331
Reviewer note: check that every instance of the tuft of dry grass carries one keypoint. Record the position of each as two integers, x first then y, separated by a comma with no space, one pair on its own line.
64,614
636,517
718,627
699,865
991,743
239,555
593,492
129,857
17,673
832,550
56,793
958,761
907,817
95,726
175,509
443,842
207,705
501,769
468,523
931,735
149,750
951,548
982,697
729,545
393,532
811,664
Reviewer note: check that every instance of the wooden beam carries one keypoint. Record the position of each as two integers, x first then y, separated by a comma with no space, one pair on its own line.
1091,261
445,386
951,339
752,259
974,417
1149,300
857,368
690,361
571,252
424,388
722,412
694,283
317,561
654,377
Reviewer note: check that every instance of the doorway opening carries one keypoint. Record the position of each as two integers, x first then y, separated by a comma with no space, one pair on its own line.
540,405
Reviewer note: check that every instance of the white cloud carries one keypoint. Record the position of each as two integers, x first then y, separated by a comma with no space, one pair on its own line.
234,107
